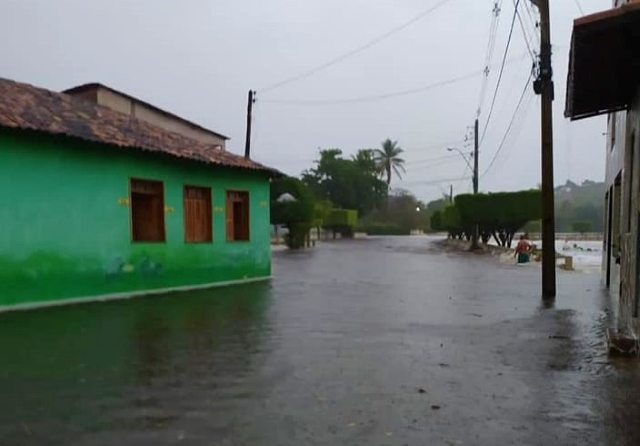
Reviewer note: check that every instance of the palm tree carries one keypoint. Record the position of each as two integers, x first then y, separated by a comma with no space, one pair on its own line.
388,159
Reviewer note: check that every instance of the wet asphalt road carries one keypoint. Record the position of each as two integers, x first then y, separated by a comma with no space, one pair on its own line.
379,342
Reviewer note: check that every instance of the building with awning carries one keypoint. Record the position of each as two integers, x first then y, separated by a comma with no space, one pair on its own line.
604,62
604,79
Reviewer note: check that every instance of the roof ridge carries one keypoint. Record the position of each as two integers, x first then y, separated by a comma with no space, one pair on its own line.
85,86
29,107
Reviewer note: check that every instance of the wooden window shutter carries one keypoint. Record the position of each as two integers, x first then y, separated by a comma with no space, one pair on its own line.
198,224
237,215
229,216
147,211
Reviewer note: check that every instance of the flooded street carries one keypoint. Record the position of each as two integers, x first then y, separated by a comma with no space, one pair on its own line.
387,341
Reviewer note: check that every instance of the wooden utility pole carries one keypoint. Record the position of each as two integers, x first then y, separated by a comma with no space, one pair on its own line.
247,141
543,86
451,193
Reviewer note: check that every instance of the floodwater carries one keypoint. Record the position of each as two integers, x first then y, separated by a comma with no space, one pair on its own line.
587,254
388,341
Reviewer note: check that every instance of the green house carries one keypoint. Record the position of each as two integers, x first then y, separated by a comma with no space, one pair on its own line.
98,204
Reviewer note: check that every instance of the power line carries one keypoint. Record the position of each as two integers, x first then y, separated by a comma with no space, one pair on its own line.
433,146
464,171
356,50
509,132
513,117
533,21
493,32
383,96
438,158
504,58
439,181
524,32
515,132
379,96
579,6
427,164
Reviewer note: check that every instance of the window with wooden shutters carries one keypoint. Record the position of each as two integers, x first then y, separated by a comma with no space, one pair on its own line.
147,211
237,215
197,214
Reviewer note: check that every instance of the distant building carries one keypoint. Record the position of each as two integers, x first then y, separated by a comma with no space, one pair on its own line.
97,203
124,103
604,78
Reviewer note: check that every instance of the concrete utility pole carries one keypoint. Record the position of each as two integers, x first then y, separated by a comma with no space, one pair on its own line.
247,141
543,86
476,235
475,158
451,193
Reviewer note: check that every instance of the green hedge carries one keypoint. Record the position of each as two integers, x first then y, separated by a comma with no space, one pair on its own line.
501,209
498,214
341,217
450,219
436,221
291,212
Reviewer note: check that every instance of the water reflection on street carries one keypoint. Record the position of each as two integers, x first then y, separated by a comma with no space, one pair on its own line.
383,341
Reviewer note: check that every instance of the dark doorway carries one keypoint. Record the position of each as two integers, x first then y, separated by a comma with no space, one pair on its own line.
609,235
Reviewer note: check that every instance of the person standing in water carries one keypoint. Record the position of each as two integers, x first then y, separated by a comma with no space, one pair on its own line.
522,250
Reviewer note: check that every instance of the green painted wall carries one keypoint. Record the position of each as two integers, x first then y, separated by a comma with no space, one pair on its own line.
65,232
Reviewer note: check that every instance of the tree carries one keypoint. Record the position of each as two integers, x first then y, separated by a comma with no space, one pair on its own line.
436,221
584,202
365,160
388,159
298,214
581,226
402,213
439,204
347,183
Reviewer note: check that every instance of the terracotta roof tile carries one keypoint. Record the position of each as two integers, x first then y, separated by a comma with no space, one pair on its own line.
23,106
95,86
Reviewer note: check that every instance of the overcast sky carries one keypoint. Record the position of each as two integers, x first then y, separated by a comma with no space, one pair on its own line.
198,58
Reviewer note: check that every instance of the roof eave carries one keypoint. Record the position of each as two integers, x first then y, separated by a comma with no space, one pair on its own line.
603,66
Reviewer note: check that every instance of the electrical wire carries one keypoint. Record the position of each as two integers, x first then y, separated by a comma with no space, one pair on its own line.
533,21
429,165
513,117
579,6
384,96
515,132
463,177
491,44
504,58
355,51
439,158
524,33
379,96
433,147
438,181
